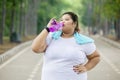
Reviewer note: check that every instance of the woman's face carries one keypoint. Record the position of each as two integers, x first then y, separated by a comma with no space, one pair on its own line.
69,25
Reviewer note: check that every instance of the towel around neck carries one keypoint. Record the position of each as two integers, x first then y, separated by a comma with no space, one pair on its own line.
80,39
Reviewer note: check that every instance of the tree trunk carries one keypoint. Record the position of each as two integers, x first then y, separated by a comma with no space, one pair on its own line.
117,29
21,16
13,35
2,24
12,16
31,18
105,28
20,28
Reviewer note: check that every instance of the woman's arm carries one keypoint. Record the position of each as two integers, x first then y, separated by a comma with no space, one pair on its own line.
39,43
93,60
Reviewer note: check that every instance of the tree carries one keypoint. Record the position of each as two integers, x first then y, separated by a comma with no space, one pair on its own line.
49,9
2,24
31,17
112,12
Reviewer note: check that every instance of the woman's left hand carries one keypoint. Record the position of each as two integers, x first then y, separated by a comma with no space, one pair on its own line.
79,68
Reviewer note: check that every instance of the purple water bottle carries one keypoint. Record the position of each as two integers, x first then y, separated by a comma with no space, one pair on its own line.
56,26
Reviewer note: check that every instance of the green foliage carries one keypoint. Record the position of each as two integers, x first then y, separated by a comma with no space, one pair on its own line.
54,8
48,9
6,31
111,9
100,9
9,9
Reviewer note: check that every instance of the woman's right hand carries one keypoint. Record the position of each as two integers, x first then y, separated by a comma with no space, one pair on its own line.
50,22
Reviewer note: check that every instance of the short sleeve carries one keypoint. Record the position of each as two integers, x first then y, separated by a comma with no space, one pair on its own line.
89,48
49,38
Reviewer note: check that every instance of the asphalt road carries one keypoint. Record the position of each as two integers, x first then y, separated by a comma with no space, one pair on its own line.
26,65
109,66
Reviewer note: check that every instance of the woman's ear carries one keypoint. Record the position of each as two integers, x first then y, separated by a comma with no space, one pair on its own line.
75,24
78,29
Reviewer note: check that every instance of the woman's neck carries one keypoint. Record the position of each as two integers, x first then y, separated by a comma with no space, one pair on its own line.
67,35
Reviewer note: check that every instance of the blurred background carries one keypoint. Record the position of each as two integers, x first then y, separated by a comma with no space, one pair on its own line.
22,20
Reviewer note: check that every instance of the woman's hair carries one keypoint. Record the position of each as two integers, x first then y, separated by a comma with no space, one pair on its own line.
74,18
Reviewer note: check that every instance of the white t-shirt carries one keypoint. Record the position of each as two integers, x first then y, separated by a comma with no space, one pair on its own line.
60,57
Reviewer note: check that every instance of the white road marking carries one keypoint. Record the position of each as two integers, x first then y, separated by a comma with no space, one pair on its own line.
13,58
111,64
29,79
35,70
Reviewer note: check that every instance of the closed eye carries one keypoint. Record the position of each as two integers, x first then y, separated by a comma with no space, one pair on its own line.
67,19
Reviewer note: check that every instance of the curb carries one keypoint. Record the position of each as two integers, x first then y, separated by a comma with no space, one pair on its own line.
5,56
116,44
